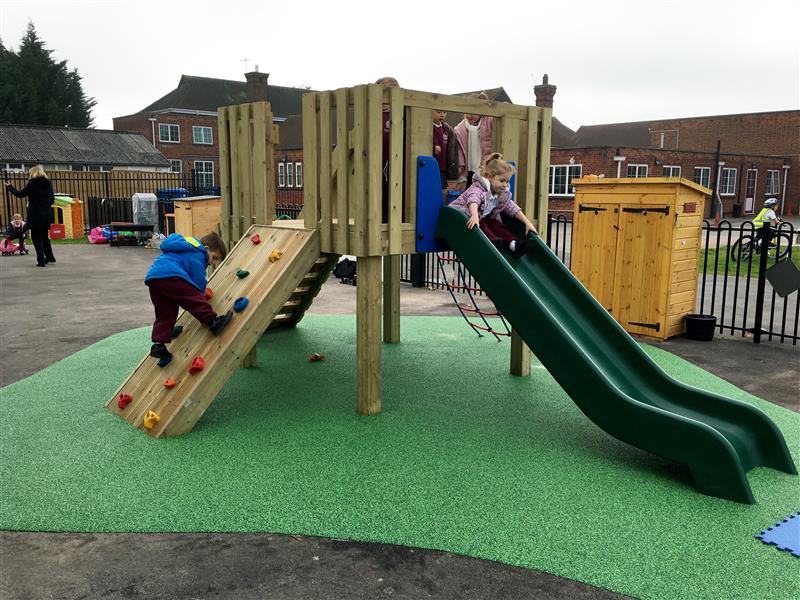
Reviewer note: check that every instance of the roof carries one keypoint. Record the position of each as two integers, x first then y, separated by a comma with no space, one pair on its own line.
614,134
61,145
208,94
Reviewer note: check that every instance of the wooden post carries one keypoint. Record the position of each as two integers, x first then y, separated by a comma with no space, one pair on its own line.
251,360
520,356
391,299
368,330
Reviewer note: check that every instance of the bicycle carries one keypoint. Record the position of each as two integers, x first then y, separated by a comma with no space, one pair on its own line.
780,246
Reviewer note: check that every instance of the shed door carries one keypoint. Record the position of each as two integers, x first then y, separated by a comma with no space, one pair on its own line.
594,248
642,268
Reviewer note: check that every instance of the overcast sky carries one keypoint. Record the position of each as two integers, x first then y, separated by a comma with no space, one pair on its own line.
612,61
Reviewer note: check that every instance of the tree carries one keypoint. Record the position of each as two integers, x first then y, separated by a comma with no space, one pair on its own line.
35,89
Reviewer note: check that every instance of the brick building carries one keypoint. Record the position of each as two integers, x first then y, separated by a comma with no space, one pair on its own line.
757,153
182,125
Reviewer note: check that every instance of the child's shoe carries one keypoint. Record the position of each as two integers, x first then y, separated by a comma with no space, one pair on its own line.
159,350
220,322
520,248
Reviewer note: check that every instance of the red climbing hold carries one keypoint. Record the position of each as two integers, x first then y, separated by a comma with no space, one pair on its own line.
208,294
197,365
255,238
170,383
124,400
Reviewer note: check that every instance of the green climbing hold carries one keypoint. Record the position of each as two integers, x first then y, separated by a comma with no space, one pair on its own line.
176,331
241,273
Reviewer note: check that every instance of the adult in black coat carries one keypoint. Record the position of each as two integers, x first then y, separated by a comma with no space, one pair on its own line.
39,192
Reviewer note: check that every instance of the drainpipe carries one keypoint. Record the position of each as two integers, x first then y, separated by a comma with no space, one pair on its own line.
783,193
153,128
715,201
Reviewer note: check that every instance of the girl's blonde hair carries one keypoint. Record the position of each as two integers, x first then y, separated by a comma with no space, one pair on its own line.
494,164
16,217
35,172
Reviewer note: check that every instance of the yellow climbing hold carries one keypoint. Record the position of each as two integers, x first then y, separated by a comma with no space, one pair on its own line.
275,255
150,419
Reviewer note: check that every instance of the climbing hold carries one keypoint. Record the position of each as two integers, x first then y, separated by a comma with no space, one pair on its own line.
163,362
316,356
170,383
275,255
176,331
241,273
198,364
150,419
124,400
240,304
255,238
208,294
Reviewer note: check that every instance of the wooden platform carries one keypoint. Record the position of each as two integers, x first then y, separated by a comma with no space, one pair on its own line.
270,287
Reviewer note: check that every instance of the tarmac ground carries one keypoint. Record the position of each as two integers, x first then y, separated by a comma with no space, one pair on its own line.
93,292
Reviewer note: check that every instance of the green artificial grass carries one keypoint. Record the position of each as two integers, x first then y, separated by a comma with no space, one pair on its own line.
721,262
464,458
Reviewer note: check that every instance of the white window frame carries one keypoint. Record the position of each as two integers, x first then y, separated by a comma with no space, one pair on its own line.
281,175
298,174
289,175
727,185
169,134
747,182
638,168
671,169
202,129
699,180
172,162
770,191
204,173
569,174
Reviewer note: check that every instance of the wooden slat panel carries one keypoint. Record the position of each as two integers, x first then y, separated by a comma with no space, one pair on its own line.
419,141
358,183
508,142
530,170
223,140
245,143
310,161
342,173
460,104
374,170
273,137
236,203
323,123
259,164
543,158
397,117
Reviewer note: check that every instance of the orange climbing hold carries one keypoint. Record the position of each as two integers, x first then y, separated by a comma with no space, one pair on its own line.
208,294
198,364
255,238
170,383
150,419
124,400
275,255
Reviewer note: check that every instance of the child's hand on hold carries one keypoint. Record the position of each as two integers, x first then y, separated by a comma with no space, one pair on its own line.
530,229
473,220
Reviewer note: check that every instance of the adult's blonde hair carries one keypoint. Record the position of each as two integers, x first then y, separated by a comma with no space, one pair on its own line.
388,82
477,96
35,172
494,164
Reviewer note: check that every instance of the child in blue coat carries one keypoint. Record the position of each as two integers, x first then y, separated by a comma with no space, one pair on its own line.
177,279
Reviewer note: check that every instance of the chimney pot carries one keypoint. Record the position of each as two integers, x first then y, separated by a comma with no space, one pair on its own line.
257,86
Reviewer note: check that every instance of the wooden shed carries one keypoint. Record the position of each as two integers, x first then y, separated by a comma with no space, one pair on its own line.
636,248
197,215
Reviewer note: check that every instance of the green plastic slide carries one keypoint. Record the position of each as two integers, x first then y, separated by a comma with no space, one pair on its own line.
607,374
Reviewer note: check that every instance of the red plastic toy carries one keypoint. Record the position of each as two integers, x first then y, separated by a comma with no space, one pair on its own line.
255,238
170,383
208,294
198,364
124,400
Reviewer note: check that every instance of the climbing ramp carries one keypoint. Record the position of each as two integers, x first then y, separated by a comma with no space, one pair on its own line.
279,270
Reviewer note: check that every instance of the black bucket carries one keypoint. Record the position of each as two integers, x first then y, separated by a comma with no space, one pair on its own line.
700,327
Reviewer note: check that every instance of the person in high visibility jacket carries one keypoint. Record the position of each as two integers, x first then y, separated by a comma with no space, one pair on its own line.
766,215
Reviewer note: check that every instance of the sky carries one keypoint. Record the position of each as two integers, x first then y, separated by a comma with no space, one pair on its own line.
611,61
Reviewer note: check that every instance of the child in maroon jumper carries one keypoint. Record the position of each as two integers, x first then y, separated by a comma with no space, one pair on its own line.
487,198
444,147
177,279
16,230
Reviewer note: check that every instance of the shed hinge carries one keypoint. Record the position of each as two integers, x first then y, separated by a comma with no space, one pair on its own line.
656,326
645,210
596,209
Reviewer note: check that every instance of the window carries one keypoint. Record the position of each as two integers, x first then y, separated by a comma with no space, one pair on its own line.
281,175
637,170
773,183
204,173
750,187
201,135
671,171
727,182
561,177
175,165
169,133
702,175
298,175
289,175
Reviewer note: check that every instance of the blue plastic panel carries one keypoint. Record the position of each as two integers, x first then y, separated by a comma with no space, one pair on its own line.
429,202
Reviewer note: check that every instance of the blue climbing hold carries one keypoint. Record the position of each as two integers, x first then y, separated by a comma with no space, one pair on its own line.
163,362
240,304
